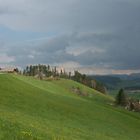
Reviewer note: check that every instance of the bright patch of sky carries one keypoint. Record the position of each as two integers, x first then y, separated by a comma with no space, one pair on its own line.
12,36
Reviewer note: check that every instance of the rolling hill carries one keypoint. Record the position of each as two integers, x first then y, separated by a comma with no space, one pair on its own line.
130,83
31,109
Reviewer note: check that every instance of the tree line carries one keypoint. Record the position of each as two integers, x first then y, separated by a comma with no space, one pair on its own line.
90,82
34,70
44,71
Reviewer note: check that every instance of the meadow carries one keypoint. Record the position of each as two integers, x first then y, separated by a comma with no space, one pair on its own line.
31,109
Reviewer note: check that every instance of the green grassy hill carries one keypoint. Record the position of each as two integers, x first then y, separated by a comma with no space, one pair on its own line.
31,109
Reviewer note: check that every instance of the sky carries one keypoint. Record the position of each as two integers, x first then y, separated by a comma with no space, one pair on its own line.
93,36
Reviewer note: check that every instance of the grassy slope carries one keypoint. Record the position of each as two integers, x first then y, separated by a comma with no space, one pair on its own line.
33,109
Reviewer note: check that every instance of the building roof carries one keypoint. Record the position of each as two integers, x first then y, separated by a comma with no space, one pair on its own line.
8,69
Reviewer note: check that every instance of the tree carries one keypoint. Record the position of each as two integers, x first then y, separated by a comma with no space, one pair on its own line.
69,75
16,70
31,70
121,98
27,70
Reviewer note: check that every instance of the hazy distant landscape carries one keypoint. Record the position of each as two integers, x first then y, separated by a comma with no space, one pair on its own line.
131,83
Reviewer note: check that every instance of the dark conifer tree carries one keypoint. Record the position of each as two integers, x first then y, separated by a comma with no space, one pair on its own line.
121,98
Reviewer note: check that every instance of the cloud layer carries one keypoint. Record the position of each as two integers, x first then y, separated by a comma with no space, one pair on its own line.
75,33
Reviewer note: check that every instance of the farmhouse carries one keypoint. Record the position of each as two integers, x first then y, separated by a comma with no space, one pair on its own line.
8,70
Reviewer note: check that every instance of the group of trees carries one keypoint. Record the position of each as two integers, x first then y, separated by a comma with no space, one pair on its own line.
33,70
92,83
43,71
129,103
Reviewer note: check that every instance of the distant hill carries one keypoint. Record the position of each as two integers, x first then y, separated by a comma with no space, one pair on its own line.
119,81
128,77
32,109
109,81
131,83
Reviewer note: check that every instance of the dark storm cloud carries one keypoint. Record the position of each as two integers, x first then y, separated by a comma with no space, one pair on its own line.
87,49
121,51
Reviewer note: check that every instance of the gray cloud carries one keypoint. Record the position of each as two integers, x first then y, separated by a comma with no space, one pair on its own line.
87,49
70,15
94,33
